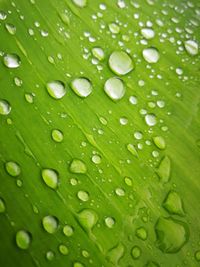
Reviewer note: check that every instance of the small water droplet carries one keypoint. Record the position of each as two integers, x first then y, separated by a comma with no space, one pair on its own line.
132,149
141,233
82,87
10,28
120,192
151,55
98,53
128,181
50,255
3,15
68,230
57,135
5,107
152,264
78,264
171,234
114,88
11,61
50,178
50,224
13,168
136,252
173,203
109,221
120,63
96,159
123,121
29,98
23,239
2,205
197,255
148,33
191,47
85,253
56,89
150,119
63,249
78,166
114,28
83,195
133,100
87,218
159,141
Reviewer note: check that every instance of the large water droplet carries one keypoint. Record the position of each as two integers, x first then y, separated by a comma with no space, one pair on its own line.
77,166
171,234
148,33
23,239
191,47
2,205
164,169
87,218
11,61
151,55
5,107
120,63
114,88
173,203
56,89
50,178
115,254
13,168
80,3
150,119
50,224
82,87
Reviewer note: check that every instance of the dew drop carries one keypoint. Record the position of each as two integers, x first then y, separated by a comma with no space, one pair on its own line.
120,63
83,195
151,55
132,150
164,169
10,28
50,178
98,53
87,218
173,203
197,255
11,61
2,205
159,141
23,239
57,135
114,88
136,252
5,107
152,264
3,15
191,47
56,89
141,233
80,3
150,119
96,159
82,87
120,192
77,166
78,264
148,33
115,254
13,168
50,255
63,249
109,221
68,230
50,224
128,181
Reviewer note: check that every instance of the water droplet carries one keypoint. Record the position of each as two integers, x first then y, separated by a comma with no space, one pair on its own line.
50,224
23,239
148,33
5,107
56,89
29,97
164,169
50,178
173,203
138,135
103,120
83,195
96,159
132,149
141,233
114,28
82,87
191,47
123,121
128,181
150,119
115,254
152,264
136,252
57,135
87,218
80,3
10,28
13,168
85,253
120,63
133,100
151,55
11,61
78,264
171,234
114,88
73,181
50,255
3,15
68,230
159,141
98,53
109,221
120,192
2,205
63,249
78,166
197,255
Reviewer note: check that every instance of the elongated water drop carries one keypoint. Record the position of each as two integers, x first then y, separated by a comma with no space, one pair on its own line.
63,249
12,61
114,88
87,218
82,87
173,203
10,28
151,55
2,205
13,168
120,63
50,224
50,178
191,47
141,233
136,252
5,107
148,33
68,230
159,141
56,89
164,169
23,239
57,135
98,53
